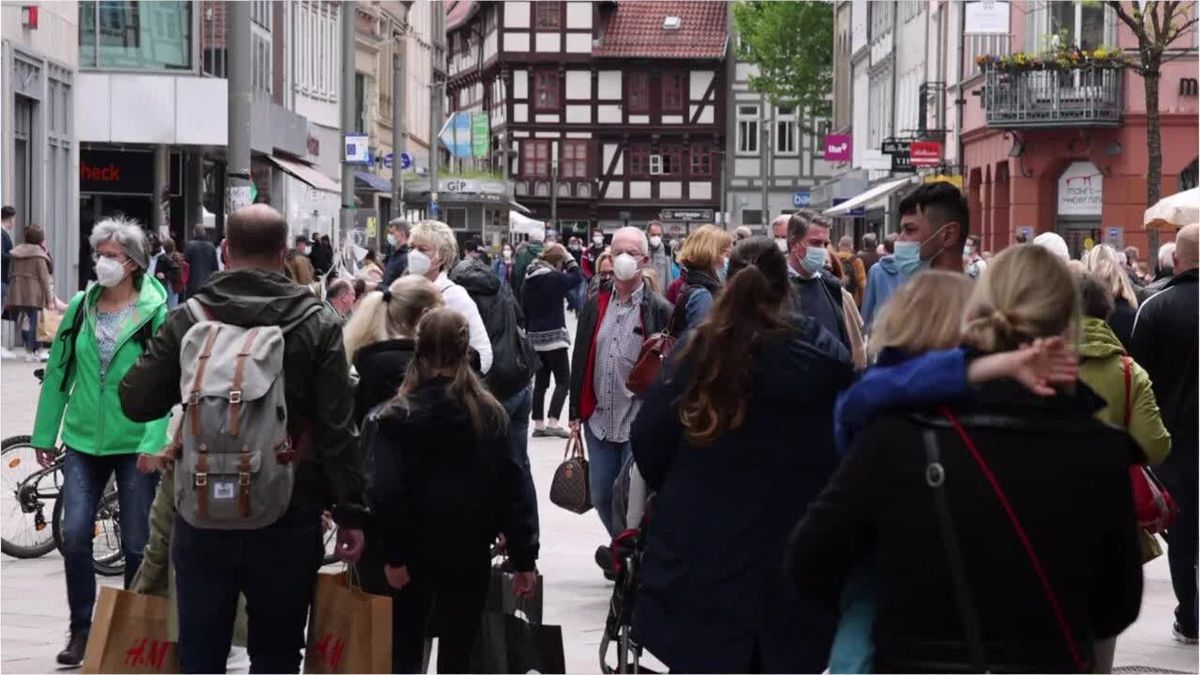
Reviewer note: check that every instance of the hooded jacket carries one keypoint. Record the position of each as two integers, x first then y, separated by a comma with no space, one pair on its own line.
381,368
545,290
85,404
1101,368
440,493
30,284
883,280
317,380
507,369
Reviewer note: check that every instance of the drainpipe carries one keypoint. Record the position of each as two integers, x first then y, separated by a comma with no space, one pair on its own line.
960,101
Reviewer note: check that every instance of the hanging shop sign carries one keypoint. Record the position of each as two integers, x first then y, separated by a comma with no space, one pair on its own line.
899,150
925,153
838,148
1081,190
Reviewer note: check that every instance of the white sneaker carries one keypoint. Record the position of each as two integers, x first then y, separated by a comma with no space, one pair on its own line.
43,355
6,355
30,357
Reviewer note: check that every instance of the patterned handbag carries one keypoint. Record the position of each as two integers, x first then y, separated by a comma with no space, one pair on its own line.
569,489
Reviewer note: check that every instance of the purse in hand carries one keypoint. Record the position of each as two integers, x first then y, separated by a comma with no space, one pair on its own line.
655,351
569,489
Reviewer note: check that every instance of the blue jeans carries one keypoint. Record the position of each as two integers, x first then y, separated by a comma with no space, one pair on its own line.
84,478
518,408
605,459
274,567
29,334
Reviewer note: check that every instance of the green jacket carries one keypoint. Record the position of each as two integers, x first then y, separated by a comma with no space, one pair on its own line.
94,422
1100,368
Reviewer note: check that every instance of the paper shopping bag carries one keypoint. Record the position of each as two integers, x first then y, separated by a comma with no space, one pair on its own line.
129,635
48,323
533,648
350,630
502,600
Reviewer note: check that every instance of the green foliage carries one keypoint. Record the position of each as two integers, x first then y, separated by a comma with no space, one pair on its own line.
792,45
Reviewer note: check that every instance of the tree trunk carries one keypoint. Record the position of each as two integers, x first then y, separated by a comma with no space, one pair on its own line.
1153,146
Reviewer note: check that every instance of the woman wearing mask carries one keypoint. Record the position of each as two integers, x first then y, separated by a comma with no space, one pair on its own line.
380,338
103,332
603,275
503,266
704,259
1032,492
1104,262
433,251
444,486
548,282
31,289
591,257
735,450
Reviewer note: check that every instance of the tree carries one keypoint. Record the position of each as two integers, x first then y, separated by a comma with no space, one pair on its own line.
1157,25
792,45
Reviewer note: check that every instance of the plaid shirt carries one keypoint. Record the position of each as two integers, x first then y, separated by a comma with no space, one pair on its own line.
618,345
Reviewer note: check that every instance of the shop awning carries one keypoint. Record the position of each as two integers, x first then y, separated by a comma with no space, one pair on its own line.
308,174
869,198
519,207
376,183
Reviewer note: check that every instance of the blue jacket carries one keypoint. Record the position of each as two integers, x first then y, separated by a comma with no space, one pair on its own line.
712,589
882,281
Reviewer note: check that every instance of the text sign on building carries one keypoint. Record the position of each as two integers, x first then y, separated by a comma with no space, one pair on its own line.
686,214
801,199
1081,190
124,172
837,148
357,149
895,147
987,17
852,213
480,134
925,153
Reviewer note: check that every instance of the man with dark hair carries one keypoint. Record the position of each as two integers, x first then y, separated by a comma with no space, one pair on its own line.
201,258
820,294
869,253
322,254
934,224
882,280
274,566
397,262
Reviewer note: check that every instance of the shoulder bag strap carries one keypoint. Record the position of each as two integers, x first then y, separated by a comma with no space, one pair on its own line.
1128,389
935,478
1030,553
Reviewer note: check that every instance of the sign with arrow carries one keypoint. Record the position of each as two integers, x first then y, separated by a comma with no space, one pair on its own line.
456,135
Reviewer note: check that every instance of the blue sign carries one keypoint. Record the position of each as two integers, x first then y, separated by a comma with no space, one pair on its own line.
433,209
456,135
853,213
387,161
405,161
801,199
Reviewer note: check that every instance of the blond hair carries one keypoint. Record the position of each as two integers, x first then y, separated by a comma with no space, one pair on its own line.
376,319
704,247
442,237
923,315
1027,292
1104,263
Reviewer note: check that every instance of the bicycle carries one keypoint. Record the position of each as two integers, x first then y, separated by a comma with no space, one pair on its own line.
25,536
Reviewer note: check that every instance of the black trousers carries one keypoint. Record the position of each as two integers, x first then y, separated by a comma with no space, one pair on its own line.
555,362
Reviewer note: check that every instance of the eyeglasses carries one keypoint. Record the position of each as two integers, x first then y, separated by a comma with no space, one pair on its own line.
119,257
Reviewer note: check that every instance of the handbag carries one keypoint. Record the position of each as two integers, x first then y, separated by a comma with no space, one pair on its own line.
1156,509
570,488
655,351
130,635
935,476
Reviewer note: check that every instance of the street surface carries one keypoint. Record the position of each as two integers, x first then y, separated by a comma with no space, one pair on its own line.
33,602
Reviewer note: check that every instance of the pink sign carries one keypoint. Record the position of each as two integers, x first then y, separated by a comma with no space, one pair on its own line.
837,148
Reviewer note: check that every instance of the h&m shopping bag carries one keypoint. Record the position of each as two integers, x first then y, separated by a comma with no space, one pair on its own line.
129,635
350,630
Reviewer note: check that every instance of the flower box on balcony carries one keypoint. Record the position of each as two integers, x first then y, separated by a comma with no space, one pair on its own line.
1022,94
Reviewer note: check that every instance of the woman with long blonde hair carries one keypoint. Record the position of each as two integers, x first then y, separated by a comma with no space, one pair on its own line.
443,486
1106,264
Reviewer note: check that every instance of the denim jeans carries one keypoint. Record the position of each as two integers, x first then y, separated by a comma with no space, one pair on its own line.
605,459
84,478
518,408
274,567
29,334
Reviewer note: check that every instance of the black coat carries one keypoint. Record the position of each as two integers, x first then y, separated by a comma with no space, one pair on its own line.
712,584
1165,343
1121,321
381,368
397,265
543,295
439,493
201,257
1065,474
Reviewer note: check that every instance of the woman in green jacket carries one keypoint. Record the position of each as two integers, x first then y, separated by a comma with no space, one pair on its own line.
101,336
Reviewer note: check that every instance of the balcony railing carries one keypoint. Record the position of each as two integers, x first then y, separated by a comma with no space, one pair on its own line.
1088,96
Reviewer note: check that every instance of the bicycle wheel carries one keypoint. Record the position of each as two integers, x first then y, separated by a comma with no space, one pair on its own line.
108,559
25,487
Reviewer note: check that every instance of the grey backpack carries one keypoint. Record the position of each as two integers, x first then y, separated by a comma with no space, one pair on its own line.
235,466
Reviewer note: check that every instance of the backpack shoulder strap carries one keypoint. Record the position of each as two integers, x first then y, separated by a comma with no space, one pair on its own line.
199,311
69,336
304,316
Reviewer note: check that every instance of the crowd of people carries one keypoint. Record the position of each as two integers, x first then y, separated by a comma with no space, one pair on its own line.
911,457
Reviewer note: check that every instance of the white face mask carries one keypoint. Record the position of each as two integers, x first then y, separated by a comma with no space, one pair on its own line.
598,240
391,239
109,272
656,241
418,263
781,244
507,253
625,267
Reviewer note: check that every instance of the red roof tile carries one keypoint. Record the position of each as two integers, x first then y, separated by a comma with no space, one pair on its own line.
635,29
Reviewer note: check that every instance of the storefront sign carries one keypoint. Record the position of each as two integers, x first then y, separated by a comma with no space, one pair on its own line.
801,199
902,163
837,148
988,17
1081,190
357,149
899,150
470,186
925,153
852,213
123,172
892,147
875,160
686,214
480,134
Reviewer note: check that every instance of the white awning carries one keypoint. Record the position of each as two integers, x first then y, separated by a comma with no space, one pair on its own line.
308,174
869,198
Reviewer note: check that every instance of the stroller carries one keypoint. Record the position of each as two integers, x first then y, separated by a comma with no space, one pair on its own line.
627,549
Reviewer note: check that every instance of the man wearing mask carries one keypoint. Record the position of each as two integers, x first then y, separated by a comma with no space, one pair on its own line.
504,265
973,264
660,256
164,269
820,295
613,324
591,255
397,262
779,230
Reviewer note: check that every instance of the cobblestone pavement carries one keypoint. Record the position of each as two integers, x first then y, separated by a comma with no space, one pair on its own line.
33,605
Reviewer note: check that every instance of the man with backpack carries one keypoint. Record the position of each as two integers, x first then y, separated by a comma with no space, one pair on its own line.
267,442
514,363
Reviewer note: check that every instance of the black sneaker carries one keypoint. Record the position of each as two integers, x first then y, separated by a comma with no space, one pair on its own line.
541,433
605,562
1187,637
73,654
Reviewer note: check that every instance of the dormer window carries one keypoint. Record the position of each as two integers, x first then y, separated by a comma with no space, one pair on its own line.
672,23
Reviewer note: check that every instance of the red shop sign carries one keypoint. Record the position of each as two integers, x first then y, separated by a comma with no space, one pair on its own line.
925,153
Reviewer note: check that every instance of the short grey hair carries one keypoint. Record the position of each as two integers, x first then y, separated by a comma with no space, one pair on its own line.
399,224
127,233
1166,256
643,241
442,237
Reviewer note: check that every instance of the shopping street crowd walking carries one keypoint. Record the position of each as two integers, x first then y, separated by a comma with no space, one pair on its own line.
914,457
